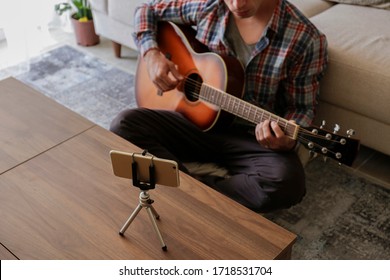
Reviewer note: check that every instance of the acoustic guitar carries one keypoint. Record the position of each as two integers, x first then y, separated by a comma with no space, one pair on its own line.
210,94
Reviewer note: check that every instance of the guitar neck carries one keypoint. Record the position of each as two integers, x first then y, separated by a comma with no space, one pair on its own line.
245,110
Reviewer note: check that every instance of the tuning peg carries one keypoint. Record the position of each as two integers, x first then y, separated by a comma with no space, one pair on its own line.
336,128
323,123
350,132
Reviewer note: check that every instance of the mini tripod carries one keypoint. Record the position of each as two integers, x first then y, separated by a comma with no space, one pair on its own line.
144,201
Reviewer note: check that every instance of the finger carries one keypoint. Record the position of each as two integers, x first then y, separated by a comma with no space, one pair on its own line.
155,74
165,79
283,142
277,130
172,76
259,131
163,83
267,132
175,72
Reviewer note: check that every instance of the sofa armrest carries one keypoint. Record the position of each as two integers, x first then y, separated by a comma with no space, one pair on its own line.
311,7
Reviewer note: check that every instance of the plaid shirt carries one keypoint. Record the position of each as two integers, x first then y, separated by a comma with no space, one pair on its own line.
286,66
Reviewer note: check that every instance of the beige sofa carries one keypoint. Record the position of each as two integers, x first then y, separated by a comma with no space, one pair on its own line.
113,20
355,91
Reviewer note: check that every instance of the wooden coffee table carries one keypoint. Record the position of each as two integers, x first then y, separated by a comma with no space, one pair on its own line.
59,198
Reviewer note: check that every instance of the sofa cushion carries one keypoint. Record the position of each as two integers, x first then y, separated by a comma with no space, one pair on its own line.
123,10
383,4
99,5
358,76
311,7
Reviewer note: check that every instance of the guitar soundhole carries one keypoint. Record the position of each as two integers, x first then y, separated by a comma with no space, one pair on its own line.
192,86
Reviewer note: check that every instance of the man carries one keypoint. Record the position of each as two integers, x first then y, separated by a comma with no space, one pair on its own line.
284,57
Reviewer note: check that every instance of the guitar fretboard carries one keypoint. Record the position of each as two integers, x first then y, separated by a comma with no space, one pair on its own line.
244,109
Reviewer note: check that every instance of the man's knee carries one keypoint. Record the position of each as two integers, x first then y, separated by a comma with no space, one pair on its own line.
292,189
288,189
124,122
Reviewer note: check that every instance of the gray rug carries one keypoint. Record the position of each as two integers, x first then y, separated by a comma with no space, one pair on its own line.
81,82
341,217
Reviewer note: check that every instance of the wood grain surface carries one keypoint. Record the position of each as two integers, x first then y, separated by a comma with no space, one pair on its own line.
31,123
66,203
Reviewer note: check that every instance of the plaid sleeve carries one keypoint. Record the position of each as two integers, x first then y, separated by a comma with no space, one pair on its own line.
147,16
303,85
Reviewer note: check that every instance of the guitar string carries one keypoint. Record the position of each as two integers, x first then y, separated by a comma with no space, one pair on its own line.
302,131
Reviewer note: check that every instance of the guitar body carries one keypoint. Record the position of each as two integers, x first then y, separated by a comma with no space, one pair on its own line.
198,66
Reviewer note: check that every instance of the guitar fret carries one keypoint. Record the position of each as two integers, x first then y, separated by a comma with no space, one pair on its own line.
250,113
232,103
228,104
227,101
211,96
219,97
214,96
207,95
267,116
247,111
244,110
222,102
235,106
257,117
202,92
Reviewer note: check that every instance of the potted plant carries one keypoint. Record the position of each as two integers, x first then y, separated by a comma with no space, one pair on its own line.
82,21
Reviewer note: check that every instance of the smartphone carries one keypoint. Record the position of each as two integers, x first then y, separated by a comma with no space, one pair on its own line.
166,171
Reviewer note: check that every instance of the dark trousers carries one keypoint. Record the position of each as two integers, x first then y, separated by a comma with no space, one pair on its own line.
260,179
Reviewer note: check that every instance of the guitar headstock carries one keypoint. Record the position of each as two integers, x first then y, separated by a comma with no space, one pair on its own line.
341,148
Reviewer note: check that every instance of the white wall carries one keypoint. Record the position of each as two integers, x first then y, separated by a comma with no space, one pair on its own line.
25,27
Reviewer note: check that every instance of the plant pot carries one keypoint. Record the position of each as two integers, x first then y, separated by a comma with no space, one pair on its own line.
85,32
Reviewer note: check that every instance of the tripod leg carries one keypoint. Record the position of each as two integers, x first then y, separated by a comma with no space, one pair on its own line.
152,218
130,219
156,215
